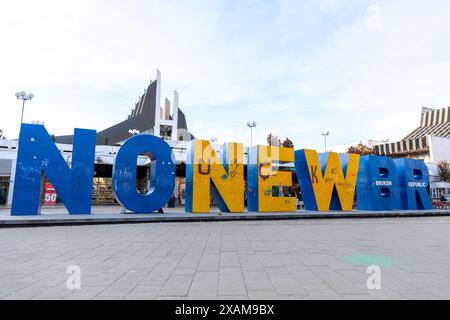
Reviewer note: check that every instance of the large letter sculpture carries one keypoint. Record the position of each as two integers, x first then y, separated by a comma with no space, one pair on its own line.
415,180
162,174
38,155
378,184
206,173
262,179
322,179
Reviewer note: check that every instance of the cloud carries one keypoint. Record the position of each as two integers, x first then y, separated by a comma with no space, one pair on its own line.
374,18
359,69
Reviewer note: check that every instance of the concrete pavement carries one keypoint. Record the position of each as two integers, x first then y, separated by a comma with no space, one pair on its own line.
51,216
291,259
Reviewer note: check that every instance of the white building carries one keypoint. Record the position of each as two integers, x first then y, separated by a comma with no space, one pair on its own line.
148,116
429,142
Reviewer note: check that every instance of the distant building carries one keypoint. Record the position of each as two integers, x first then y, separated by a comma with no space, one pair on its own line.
147,116
430,141
439,189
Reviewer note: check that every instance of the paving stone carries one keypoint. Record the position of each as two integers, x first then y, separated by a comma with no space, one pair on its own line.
257,280
229,260
299,259
263,295
231,284
209,262
205,282
177,285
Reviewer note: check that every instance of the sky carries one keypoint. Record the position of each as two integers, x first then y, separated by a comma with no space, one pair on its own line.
359,69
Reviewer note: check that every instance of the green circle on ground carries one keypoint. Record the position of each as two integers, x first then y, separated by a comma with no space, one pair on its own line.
370,260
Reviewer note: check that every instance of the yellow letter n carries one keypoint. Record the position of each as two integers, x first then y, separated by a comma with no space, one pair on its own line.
208,178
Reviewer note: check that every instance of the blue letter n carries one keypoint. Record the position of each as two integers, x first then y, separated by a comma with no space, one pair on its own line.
38,155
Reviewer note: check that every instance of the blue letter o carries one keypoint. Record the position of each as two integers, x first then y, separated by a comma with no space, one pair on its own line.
162,174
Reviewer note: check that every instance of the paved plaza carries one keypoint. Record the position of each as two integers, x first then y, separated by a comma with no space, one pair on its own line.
290,259
110,214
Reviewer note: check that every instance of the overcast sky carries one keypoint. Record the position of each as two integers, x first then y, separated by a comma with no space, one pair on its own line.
360,69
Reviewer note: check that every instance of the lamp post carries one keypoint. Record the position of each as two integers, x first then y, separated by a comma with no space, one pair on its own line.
325,135
251,125
134,132
22,95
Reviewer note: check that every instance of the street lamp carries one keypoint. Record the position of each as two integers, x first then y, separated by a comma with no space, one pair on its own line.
325,135
251,125
22,95
134,132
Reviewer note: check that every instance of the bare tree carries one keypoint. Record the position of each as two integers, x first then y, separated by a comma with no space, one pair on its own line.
287,143
361,149
272,140
444,170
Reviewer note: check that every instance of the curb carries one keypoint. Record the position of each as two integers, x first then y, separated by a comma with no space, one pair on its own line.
97,219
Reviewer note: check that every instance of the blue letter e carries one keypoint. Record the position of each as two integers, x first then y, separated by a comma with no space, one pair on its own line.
38,155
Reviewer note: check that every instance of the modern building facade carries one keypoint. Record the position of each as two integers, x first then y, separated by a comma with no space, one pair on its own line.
439,190
430,141
148,116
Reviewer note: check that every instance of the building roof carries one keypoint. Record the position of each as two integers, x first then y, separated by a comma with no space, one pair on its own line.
433,122
141,118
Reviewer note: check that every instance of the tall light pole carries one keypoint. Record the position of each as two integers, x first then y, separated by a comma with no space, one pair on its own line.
22,95
251,125
325,135
134,132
